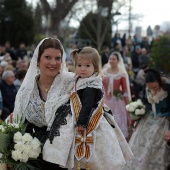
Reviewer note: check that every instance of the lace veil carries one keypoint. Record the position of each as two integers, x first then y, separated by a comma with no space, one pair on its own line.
122,69
58,88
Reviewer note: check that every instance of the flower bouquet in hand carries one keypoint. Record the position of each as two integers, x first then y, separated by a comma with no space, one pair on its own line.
18,149
136,109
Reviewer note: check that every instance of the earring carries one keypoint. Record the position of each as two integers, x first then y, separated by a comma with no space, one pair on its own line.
38,70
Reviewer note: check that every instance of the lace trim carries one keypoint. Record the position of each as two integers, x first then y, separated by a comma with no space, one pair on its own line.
115,76
59,120
156,98
93,82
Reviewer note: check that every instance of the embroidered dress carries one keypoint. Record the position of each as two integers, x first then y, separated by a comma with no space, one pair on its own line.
103,145
112,83
147,144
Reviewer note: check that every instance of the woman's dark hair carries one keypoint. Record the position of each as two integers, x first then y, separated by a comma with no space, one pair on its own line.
115,54
152,75
50,43
21,74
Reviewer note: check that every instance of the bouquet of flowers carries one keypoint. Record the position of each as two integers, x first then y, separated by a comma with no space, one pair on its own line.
18,149
136,109
118,94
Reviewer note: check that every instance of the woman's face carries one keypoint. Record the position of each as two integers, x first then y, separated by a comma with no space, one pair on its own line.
50,62
113,61
153,87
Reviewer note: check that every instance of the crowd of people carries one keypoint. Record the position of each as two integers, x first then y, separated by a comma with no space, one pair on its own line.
77,108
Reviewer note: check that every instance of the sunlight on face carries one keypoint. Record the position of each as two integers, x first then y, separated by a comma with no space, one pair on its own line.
84,67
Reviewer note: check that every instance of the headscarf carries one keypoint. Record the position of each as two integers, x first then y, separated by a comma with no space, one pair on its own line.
122,70
57,94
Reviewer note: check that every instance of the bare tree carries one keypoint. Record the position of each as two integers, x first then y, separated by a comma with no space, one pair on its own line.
57,12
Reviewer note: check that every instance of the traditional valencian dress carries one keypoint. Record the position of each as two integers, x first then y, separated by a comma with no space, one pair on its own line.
102,146
147,143
115,86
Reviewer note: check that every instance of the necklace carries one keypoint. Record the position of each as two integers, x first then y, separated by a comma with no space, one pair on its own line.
46,90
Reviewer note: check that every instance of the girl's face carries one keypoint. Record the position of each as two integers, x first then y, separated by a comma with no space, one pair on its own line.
153,87
113,61
50,62
84,67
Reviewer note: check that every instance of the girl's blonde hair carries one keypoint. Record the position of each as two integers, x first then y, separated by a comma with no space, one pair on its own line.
87,53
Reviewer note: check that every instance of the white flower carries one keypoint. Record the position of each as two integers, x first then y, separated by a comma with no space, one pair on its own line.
134,104
28,147
35,143
142,111
24,157
139,102
27,137
16,155
131,109
2,129
17,137
19,146
137,112
127,107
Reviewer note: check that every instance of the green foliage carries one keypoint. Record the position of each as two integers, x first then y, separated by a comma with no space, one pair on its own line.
88,29
16,22
160,54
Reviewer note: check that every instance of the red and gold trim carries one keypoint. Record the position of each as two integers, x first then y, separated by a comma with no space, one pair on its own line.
84,141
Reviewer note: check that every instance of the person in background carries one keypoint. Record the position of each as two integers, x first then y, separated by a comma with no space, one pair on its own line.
8,91
10,51
19,78
117,90
22,51
147,144
105,55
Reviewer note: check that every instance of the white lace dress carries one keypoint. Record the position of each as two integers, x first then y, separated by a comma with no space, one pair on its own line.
147,143
109,149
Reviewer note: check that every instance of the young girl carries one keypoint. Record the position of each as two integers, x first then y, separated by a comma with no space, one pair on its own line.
99,143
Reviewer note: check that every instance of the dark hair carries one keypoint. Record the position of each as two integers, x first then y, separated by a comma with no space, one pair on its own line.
115,54
152,75
50,43
21,74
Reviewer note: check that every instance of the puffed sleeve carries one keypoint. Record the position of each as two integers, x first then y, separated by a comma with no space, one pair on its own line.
88,98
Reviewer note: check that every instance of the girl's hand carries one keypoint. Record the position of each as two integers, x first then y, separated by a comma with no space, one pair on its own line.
167,136
80,128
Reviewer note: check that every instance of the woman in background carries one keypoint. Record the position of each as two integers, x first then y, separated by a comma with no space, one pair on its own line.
117,90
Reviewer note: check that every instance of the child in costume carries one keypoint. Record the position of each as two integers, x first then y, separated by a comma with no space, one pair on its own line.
99,144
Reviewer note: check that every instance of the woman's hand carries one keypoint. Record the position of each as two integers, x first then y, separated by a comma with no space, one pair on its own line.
167,136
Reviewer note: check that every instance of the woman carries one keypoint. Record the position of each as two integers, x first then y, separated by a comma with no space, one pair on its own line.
117,91
147,144
42,101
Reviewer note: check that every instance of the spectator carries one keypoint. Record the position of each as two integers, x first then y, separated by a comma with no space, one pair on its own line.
105,55
19,78
143,58
10,51
8,90
21,52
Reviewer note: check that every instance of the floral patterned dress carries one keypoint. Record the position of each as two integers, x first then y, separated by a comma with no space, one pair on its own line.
114,98
147,144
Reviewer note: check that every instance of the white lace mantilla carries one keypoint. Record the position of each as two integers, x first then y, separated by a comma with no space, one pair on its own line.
155,99
57,95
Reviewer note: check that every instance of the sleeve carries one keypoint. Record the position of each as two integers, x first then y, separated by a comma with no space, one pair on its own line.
124,85
88,100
